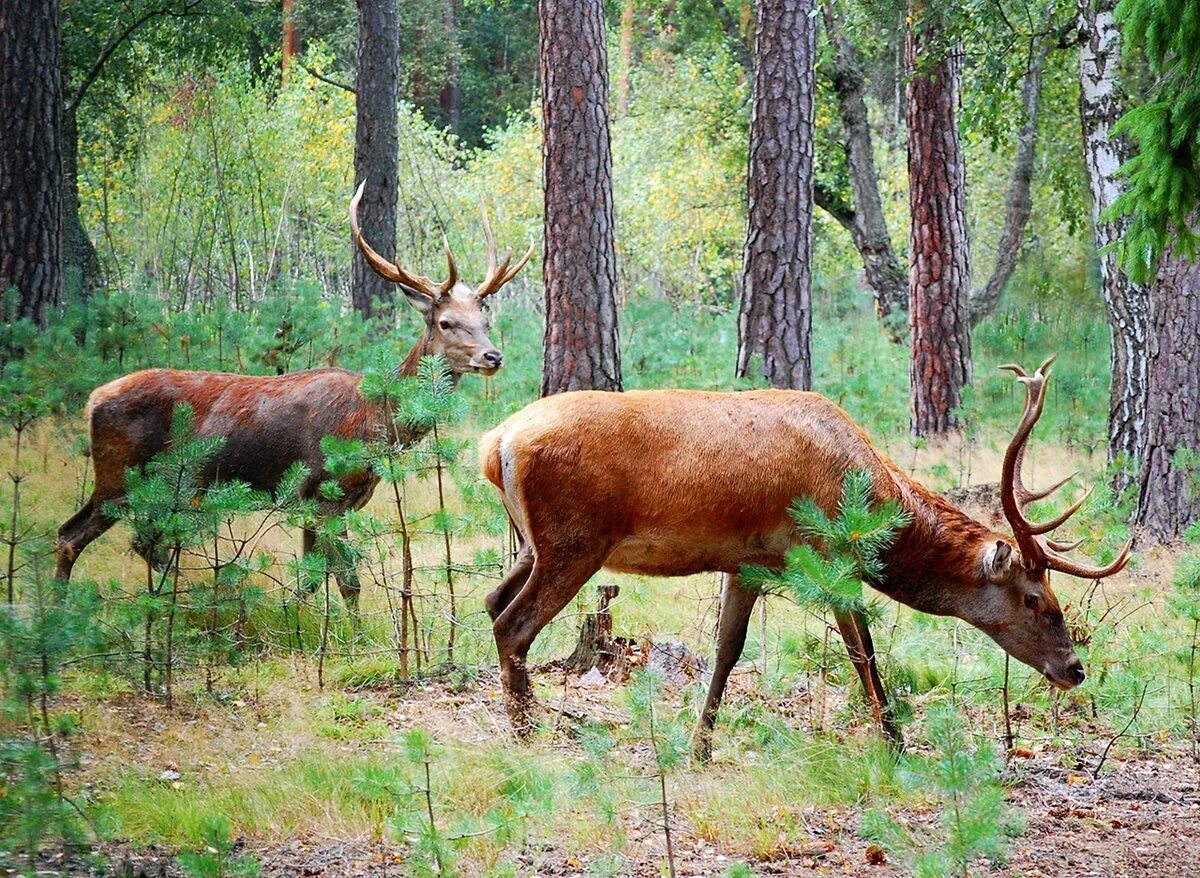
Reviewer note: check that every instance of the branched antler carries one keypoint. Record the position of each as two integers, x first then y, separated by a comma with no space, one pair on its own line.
394,272
1038,552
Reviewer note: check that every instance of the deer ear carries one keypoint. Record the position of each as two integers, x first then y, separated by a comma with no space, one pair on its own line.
998,561
418,300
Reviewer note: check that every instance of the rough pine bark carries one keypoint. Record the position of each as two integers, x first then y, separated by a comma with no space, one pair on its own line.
939,278
775,317
376,156
1101,103
1169,500
868,228
31,157
580,348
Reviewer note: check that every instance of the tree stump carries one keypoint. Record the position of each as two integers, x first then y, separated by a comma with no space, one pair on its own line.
596,647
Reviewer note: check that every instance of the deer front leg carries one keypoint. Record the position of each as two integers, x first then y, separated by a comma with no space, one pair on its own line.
737,603
857,637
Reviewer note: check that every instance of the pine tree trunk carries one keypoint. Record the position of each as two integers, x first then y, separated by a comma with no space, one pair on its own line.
376,156
581,344
939,278
1170,493
868,227
775,319
31,161
1101,104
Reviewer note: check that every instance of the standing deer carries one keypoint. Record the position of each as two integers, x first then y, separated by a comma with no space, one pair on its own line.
269,423
675,482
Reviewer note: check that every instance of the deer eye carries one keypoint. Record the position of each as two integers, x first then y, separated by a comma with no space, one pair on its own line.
445,324
1033,602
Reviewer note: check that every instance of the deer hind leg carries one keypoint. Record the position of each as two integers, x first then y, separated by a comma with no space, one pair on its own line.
553,581
511,585
737,602
857,636
77,532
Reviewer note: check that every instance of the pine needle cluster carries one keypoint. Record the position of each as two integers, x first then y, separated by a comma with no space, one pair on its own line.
827,571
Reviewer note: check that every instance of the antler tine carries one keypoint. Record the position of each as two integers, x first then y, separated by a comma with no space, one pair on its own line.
499,273
1034,496
1055,561
391,271
1064,547
516,269
452,279
1046,526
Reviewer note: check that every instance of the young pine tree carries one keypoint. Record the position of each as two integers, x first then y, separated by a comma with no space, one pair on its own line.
973,820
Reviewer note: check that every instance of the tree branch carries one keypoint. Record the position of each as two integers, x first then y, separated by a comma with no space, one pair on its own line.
187,8
325,79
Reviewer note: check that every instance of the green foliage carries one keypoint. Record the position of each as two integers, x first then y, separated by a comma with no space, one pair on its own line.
973,821
1163,178
828,571
217,858
36,637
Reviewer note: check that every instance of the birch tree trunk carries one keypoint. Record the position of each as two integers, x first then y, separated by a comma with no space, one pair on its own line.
580,347
1101,104
939,278
775,318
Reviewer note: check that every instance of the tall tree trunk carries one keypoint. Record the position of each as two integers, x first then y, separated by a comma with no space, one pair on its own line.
1170,491
376,156
290,43
580,348
1101,104
31,161
775,318
81,262
450,98
867,227
939,278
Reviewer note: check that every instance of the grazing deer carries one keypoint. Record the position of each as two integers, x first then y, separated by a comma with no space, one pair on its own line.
269,423
675,482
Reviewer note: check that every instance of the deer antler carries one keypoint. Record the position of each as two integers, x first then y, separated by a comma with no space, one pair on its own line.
394,272
498,273
1038,552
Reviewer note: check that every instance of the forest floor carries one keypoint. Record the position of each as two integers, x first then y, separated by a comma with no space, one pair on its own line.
1140,817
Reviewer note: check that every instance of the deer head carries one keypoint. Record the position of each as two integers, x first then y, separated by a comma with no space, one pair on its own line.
1020,611
456,318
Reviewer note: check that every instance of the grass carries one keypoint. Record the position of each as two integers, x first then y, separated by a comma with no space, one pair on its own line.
279,756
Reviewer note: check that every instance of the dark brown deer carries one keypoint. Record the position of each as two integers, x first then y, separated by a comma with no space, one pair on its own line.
269,423
671,483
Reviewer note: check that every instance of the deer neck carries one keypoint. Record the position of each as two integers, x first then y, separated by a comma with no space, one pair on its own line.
409,368
934,565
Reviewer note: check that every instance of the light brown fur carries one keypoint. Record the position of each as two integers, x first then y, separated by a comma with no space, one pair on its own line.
677,482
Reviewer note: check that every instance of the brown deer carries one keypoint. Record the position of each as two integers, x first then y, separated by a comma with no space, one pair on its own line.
269,423
674,482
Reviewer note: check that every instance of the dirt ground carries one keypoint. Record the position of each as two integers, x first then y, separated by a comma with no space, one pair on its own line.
1140,818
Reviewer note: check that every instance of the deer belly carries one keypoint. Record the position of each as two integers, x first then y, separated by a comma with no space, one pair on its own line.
674,553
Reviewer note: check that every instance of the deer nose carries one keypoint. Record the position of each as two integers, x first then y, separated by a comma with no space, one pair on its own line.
494,359
1078,674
